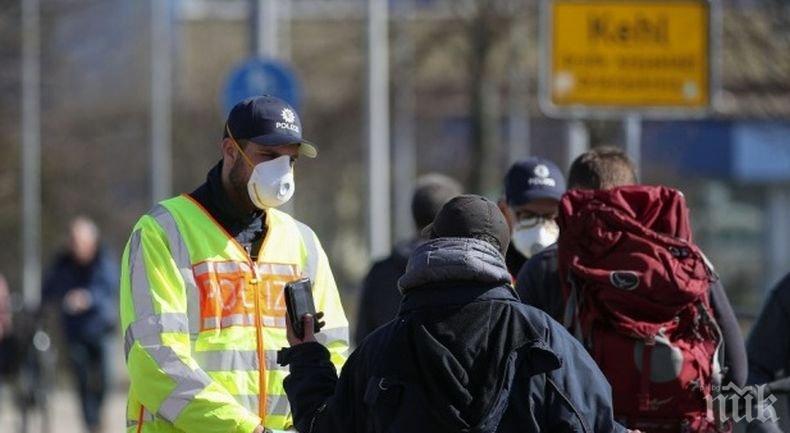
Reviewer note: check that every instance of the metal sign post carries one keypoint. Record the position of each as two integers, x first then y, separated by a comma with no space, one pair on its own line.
519,146
161,98
578,140
378,131
31,152
265,28
404,154
633,140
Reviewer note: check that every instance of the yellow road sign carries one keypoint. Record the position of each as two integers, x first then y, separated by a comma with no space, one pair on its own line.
627,55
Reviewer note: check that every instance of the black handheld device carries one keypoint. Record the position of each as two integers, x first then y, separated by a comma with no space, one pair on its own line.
298,302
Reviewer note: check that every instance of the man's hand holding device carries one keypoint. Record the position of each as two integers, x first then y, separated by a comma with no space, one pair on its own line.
302,321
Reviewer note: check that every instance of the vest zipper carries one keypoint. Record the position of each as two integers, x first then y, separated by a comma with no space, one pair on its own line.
140,419
256,282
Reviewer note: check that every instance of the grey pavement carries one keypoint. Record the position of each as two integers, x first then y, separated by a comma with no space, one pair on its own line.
64,409
64,403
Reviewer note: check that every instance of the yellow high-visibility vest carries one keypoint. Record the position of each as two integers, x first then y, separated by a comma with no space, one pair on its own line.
203,323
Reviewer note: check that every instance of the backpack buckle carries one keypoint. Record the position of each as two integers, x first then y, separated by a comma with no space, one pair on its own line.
644,402
382,390
679,253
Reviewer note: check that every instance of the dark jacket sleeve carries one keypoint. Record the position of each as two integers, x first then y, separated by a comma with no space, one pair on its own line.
579,396
538,283
104,290
51,290
380,298
734,348
769,341
320,401
367,312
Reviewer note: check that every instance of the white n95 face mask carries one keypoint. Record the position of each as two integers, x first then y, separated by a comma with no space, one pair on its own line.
272,183
530,240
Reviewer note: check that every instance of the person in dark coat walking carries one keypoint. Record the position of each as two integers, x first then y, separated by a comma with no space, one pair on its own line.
82,284
463,355
768,347
769,342
6,349
379,295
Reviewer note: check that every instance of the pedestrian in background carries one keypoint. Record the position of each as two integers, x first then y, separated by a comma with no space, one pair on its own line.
538,281
533,189
5,328
769,341
5,308
768,347
82,283
379,296
600,180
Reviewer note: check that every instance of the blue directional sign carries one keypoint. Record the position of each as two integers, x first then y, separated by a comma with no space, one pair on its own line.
258,76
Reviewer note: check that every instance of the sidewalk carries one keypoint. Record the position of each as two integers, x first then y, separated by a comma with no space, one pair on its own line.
65,415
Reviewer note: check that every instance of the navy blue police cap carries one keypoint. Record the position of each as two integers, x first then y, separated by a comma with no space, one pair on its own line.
532,179
269,121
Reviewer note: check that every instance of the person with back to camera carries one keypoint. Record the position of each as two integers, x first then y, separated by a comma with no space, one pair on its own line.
628,281
463,355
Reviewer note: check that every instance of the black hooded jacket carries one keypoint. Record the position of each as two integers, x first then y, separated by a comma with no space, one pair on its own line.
463,355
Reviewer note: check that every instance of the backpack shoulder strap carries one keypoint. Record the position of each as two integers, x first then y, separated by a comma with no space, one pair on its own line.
385,389
570,318
384,374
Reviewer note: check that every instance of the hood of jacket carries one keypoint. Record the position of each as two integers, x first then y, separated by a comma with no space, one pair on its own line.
454,260
462,336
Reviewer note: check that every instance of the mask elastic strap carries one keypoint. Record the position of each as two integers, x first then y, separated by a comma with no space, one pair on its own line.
246,158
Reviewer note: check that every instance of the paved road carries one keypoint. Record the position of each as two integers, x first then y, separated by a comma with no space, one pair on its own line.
64,403
65,413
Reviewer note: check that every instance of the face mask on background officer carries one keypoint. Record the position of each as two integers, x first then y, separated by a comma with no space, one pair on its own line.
534,227
533,189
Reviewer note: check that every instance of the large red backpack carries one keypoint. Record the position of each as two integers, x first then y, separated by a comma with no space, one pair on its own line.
637,295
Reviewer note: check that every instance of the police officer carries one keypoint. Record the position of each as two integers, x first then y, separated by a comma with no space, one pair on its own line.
202,282
533,189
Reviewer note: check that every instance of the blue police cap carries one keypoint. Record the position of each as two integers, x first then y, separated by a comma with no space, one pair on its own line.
269,121
531,179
